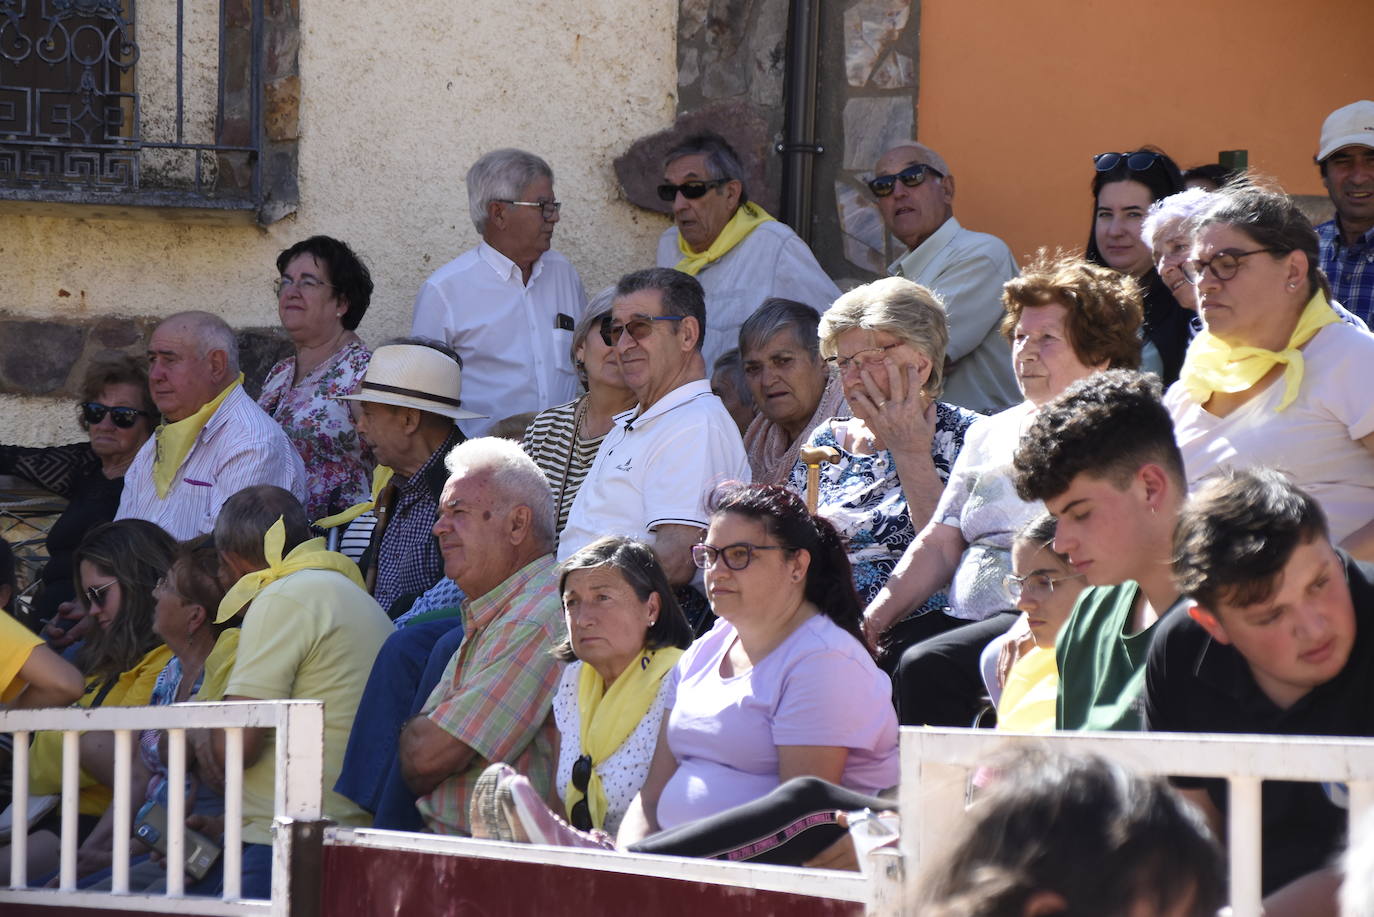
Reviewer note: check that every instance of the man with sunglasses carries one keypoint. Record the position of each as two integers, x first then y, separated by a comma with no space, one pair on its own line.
739,254
651,476
915,194
1346,160
510,305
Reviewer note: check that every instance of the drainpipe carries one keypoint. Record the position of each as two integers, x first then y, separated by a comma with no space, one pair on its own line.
800,147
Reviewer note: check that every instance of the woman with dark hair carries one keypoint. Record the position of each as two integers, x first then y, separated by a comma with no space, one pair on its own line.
1276,378
1124,187
118,416
322,294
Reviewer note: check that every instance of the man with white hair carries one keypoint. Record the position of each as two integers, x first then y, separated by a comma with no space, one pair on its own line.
214,441
496,531
508,306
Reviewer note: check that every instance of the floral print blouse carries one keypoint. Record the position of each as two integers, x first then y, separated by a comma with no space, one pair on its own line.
862,497
338,464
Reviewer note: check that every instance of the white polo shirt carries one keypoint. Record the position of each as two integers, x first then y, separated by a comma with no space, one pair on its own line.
514,337
657,468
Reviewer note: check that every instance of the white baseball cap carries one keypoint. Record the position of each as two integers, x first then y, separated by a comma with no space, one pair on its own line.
1351,125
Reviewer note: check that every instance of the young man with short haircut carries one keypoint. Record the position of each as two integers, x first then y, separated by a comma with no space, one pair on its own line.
1102,458
1276,639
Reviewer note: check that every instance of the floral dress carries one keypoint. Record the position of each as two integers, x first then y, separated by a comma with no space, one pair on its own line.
862,497
338,464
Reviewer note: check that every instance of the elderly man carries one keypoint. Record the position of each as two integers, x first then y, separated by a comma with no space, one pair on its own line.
656,468
739,253
408,402
915,193
508,306
215,441
493,702
309,631
1346,159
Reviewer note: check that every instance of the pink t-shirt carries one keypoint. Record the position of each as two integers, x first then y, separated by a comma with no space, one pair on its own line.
819,687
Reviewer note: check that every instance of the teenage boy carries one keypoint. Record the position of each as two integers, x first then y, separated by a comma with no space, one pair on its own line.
1278,638
1102,458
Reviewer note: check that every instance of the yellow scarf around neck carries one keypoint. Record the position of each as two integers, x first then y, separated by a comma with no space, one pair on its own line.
608,716
746,219
308,555
381,476
173,441
1213,366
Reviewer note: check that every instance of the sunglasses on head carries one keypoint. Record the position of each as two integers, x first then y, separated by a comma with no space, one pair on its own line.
689,189
911,176
1137,162
581,814
640,327
93,412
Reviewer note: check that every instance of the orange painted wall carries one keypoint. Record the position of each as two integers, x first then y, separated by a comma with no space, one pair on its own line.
1020,94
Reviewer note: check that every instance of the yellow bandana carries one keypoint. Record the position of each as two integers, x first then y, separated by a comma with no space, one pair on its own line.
173,441
309,555
609,716
746,219
381,476
1212,365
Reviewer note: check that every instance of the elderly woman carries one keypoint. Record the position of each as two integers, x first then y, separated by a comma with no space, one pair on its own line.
322,294
625,636
794,389
1066,319
886,341
563,440
118,415
1276,378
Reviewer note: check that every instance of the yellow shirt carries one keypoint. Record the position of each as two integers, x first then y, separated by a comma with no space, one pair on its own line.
16,646
1028,699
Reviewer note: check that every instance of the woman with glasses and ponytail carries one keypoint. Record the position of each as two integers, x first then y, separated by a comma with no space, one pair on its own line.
1276,377
118,416
1124,187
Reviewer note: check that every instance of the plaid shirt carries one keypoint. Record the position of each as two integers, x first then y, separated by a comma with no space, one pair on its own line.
408,560
1350,268
497,692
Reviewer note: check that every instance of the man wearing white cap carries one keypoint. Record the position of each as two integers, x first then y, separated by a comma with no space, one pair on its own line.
408,402
1346,159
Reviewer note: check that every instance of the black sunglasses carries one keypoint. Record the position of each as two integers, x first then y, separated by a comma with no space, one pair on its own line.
93,412
581,813
1140,161
689,189
911,176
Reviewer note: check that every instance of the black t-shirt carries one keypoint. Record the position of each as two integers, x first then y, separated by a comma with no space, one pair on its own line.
1194,684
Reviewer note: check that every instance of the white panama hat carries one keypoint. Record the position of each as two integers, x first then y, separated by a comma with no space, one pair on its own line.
413,376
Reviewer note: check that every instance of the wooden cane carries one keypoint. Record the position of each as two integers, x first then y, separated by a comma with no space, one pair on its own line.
813,457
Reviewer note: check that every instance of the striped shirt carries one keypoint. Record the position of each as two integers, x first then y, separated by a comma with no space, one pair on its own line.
564,459
239,446
1350,268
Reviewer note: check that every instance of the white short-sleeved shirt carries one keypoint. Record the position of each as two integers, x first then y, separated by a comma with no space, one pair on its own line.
514,337
657,468
623,773
1314,440
771,261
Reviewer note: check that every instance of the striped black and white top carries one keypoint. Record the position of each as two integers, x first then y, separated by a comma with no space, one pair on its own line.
549,440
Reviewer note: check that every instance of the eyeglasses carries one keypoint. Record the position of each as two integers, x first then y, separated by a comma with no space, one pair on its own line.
1139,161
689,189
737,556
95,595
870,356
305,284
581,813
547,209
1223,265
1039,582
93,412
911,176
640,327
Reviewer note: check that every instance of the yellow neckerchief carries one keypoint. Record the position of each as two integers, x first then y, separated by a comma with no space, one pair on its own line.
1212,365
609,716
309,555
381,476
174,440
746,219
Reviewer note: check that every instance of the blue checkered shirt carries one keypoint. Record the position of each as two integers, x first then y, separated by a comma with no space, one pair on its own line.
1350,268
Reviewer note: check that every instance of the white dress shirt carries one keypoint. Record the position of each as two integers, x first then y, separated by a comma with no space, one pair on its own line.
239,446
514,337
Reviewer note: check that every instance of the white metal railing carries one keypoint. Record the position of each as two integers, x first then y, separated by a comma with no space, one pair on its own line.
299,727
